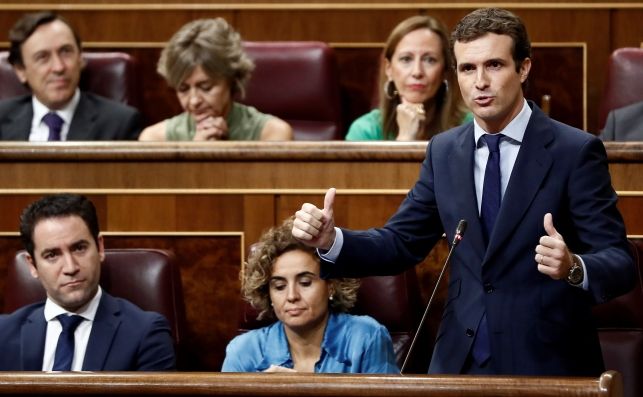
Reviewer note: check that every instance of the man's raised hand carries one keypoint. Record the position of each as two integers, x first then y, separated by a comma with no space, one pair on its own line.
316,227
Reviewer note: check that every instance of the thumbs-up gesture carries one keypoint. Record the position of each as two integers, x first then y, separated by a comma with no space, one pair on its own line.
316,227
552,255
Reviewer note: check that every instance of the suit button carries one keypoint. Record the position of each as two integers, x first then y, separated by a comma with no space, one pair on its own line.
488,288
469,332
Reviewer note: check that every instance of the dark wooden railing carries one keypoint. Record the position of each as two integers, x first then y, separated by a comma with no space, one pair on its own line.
609,384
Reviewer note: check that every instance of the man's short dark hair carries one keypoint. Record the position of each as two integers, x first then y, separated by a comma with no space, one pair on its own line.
494,20
56,206
26,26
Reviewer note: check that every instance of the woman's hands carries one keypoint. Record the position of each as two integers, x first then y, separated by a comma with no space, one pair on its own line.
410,120
210,128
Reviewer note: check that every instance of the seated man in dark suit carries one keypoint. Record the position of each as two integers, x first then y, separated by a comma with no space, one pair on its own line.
46,55
624,124
79,326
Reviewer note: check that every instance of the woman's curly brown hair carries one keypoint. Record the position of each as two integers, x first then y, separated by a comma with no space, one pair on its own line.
258,269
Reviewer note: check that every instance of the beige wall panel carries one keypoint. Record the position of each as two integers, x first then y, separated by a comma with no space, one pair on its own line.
202,212
584,26
114,25
12,206
351,211
626,176
141,213
258,216
631,208
626,32
343,26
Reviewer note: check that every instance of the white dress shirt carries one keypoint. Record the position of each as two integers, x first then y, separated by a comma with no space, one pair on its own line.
39,130
509,147
81,335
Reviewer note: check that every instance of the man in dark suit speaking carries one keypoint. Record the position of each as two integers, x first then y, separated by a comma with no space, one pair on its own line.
46,55
79,326
544,242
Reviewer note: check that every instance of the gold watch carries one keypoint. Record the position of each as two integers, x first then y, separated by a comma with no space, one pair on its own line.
576,275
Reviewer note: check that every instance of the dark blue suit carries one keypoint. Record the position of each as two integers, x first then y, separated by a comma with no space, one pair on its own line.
537,325
123,338
95,118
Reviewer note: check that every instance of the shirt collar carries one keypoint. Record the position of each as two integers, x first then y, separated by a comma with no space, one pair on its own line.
88,311
515,130
66,112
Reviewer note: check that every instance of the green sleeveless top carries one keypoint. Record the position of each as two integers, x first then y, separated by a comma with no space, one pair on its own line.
244,124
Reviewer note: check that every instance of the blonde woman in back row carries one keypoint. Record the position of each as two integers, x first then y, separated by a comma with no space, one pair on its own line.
206,64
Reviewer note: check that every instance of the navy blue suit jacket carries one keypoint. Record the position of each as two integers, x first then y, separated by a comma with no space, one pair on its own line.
123,338
95,118
537,325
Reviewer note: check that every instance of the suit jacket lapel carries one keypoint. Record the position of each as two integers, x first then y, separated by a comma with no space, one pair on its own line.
103,331
82,124
531,167
464,196
32,341
18,127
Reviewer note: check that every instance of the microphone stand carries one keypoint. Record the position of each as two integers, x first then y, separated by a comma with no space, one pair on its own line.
459,232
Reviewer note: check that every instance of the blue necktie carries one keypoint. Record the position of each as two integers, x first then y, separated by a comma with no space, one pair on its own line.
491,196
65,347
55,124
491,187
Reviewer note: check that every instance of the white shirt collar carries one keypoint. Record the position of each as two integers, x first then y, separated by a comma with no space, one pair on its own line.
88,311
514,130
66,112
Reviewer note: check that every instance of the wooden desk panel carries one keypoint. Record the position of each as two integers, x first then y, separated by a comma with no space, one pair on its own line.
233,187
248,166
318,385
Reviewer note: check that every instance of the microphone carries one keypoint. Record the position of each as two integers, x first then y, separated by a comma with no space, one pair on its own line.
459,233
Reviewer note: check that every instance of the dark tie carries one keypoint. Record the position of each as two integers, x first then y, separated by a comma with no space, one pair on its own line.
491,196
65,347
55,124
491,187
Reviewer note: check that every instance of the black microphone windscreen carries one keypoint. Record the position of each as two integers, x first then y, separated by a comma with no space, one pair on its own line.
462,227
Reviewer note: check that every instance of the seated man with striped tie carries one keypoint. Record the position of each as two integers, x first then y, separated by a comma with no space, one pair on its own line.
79,326
46,55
